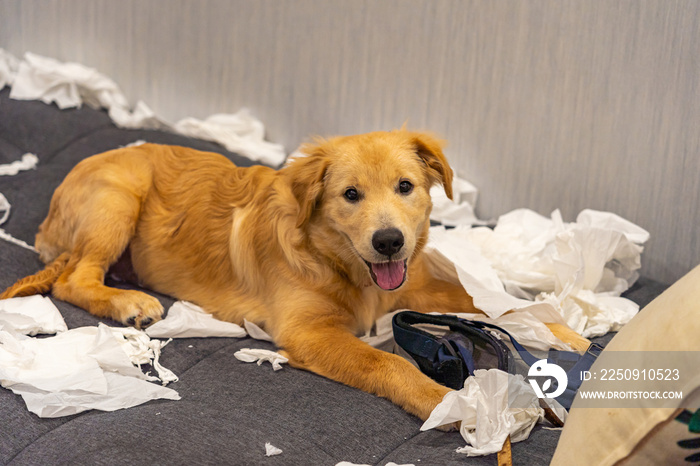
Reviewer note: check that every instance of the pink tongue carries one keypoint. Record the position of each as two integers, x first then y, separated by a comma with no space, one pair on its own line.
389,274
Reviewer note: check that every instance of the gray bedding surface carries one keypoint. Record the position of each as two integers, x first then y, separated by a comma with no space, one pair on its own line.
229,409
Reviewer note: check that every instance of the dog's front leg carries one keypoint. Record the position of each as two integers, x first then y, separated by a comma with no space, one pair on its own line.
426,292
433,294
329,349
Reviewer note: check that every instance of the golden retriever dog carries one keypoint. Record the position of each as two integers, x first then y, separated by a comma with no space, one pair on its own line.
314,252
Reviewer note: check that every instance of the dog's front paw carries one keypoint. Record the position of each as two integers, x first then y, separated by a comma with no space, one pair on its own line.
137,309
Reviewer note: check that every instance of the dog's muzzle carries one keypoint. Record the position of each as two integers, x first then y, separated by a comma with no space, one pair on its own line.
391,274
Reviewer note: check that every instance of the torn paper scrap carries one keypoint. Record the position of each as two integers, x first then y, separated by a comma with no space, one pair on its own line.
27,162
239,132
187,320
31,315
256,332
77,370
611,221
484,409
121,392
459,211
4,215
72,84
452,253
271,450
142,350
164,374
260,356
576,271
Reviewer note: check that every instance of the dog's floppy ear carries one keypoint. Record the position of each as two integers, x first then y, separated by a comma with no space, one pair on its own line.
307,174
429,149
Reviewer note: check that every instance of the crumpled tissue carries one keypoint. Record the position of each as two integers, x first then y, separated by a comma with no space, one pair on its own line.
260,356
459,211
70,84
570,273
492,405
27,162
187,320
271,450
452,256
4,215
45,318
239,132
79,369
5,208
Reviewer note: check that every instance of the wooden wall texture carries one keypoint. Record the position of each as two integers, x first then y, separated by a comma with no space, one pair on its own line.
545,103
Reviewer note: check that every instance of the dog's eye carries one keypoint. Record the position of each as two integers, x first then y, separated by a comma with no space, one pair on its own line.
351,194
405,187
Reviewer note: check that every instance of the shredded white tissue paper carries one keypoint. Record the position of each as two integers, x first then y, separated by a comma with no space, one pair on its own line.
31,315
271,450
142,350
72,84
459,211
260,356
28,162
239,132
571,273
4,215
483,407
452,253
77,370
187,320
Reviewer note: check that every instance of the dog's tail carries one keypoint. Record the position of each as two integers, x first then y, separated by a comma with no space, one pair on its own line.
40,282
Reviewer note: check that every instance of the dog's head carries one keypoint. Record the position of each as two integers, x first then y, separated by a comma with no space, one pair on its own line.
366,199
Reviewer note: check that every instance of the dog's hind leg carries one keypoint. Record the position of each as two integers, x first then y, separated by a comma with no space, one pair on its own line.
82,284
104,224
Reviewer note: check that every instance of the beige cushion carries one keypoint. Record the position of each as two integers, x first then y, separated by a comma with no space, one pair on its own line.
603,436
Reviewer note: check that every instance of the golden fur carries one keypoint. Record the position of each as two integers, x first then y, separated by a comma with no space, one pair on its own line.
291,250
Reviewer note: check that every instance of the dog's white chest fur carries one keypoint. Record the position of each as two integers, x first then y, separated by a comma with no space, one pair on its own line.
369,310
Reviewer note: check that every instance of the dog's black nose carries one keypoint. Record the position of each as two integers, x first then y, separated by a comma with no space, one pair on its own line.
388,241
